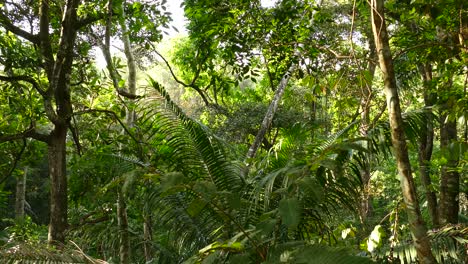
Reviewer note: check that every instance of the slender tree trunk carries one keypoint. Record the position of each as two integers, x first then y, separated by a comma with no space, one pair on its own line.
426,144
122,222
129,93
59,88
130,121
20,197
364,126
148,237
417,226
268,119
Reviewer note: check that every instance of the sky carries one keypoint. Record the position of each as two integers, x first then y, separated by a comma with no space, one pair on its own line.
178,19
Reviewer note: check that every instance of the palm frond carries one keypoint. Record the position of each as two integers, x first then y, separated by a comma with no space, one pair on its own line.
194,150
323,181
198,180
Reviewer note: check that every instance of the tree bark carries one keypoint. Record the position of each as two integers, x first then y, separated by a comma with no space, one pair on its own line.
450,177
426,144
417,226
130,121
20,197
56,58
58,186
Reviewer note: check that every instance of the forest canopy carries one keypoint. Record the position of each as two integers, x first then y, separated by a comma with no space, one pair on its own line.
293,131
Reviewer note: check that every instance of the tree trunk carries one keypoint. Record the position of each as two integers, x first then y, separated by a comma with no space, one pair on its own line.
268,119
20,197
129,93
148,237
417,226
365,104
130,121
426,143
449,178
58,183
122,222
59,87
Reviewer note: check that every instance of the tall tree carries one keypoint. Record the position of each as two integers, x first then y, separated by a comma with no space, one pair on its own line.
426,142
55,61
129,93
49,36
417,226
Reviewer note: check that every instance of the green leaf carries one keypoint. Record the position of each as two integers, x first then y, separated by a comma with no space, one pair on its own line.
170,180
289,210
205,188
196,206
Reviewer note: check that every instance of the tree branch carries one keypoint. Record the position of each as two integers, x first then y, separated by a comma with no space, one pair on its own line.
192,83
28,133
427,45
171,71
8,25
23,78
44,39
46,95
86,220
377,117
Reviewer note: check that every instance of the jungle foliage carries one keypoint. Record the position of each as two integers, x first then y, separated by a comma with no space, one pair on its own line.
289,131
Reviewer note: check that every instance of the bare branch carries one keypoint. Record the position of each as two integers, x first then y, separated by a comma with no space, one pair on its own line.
127,94
172,72
429,45
377,117
87,219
